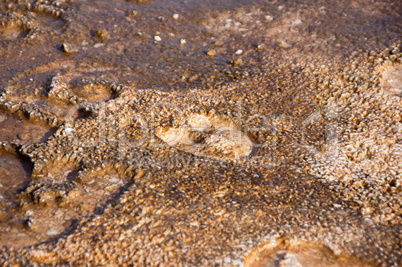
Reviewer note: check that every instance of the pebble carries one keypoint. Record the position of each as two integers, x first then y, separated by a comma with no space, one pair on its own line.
68,48
297,22
211,53
132,14
101,34
283,44
52,232
141,35
268,18
237,62
261,47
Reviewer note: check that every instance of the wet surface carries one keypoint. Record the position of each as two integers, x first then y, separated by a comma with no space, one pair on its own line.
12,33
45,212
202,133
14,176
13,179
15,129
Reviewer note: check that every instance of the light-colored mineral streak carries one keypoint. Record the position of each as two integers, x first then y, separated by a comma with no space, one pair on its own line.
209,136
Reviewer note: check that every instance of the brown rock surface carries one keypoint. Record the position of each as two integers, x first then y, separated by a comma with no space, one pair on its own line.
132,151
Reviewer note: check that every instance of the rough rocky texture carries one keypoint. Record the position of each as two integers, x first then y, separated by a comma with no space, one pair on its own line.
283,148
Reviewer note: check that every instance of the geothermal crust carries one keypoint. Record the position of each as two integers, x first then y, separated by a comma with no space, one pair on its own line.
258,144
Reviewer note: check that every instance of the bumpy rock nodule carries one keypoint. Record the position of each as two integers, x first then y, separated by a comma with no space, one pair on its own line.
209,136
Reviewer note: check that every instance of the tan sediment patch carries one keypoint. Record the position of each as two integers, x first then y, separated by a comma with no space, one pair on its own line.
392,79
292,253
209,136
73,88
11,33
19,130
14,174
96,92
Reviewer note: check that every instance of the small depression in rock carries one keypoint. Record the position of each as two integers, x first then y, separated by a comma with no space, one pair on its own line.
14,129
209,136
94,92
93,87
66,80
47,22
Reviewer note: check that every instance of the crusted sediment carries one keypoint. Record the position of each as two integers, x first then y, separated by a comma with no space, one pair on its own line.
274,150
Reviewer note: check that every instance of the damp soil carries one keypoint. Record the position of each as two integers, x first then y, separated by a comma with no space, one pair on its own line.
201,133
15,128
